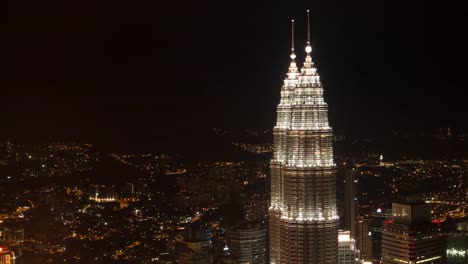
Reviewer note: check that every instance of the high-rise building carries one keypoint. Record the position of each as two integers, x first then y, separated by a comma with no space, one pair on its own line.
411,237
350,206
303,214
364,238
248,245
378,217
347,252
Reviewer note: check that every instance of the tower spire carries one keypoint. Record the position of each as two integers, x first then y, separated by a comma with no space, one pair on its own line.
308,68
293,55
292,35
308,47
293,71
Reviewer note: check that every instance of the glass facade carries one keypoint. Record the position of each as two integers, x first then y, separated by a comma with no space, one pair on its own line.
412,244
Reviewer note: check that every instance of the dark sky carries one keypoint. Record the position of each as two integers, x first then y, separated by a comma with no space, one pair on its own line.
117,70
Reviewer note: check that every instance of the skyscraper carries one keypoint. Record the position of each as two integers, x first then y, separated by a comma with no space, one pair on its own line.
378,217
364,238
350,208
303,214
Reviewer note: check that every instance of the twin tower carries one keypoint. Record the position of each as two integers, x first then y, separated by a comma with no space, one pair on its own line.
303,215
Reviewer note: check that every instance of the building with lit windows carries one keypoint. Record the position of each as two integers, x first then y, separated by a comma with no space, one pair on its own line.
302,214
347,252
364,238
6,256
378,217
248,245
411,237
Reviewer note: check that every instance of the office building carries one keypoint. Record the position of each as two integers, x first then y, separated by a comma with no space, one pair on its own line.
378,217
248,245
411,237
350,202
364,238
347,251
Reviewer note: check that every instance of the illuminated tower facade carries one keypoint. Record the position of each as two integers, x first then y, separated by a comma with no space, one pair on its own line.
303,214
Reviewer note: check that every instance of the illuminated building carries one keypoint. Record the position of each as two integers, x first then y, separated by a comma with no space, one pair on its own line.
347,252
103,194
303,214
6,256
364,239
456,234
248,245
411,237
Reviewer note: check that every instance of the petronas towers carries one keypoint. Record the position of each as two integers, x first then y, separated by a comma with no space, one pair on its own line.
303,215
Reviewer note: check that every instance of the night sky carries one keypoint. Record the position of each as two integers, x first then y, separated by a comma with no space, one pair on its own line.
118,70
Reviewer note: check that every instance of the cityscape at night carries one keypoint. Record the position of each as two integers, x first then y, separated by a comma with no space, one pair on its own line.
282,132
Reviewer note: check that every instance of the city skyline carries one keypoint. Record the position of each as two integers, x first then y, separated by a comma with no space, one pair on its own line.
181,133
